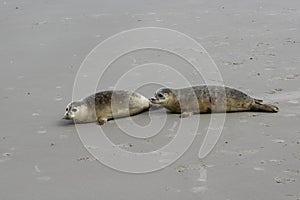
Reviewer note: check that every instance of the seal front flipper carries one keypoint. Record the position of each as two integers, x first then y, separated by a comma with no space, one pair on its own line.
259,106
102,121
185,114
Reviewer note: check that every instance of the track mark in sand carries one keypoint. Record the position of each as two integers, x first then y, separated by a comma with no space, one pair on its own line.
37,169
200,189
259,168
203,174
172,129
5,157
43,131
35,114
278,141
284,180
291,97
293,101
43,178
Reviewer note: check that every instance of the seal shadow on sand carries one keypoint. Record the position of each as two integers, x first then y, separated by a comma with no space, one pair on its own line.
63,122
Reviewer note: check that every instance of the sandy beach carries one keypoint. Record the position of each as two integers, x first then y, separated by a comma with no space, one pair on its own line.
255,45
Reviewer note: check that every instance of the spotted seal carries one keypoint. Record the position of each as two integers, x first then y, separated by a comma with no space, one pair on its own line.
107,105
208,99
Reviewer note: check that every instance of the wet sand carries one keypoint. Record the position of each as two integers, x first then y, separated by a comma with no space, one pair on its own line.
256,47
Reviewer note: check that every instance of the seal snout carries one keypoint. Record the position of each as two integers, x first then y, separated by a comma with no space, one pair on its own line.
152,99
66,116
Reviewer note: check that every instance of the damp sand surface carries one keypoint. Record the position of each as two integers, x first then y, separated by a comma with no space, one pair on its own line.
255,45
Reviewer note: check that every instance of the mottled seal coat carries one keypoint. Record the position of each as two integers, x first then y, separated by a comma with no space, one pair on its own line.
106,105
208,99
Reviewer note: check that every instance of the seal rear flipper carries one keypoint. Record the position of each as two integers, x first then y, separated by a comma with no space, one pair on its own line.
261,107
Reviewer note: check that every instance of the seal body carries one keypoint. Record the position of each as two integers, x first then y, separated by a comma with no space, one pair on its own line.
107,105
208,99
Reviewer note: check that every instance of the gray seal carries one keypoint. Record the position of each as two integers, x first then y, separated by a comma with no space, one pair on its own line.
208,99
106,105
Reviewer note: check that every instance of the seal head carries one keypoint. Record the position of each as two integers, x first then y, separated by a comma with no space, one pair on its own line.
168,98
162,96
79,112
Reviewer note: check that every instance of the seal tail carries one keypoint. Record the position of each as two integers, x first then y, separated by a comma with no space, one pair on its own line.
259,106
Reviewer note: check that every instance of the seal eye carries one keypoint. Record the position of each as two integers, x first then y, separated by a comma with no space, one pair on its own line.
74,110
160,95
67,109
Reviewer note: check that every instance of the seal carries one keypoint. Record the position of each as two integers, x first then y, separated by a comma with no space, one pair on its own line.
208,99
106,105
